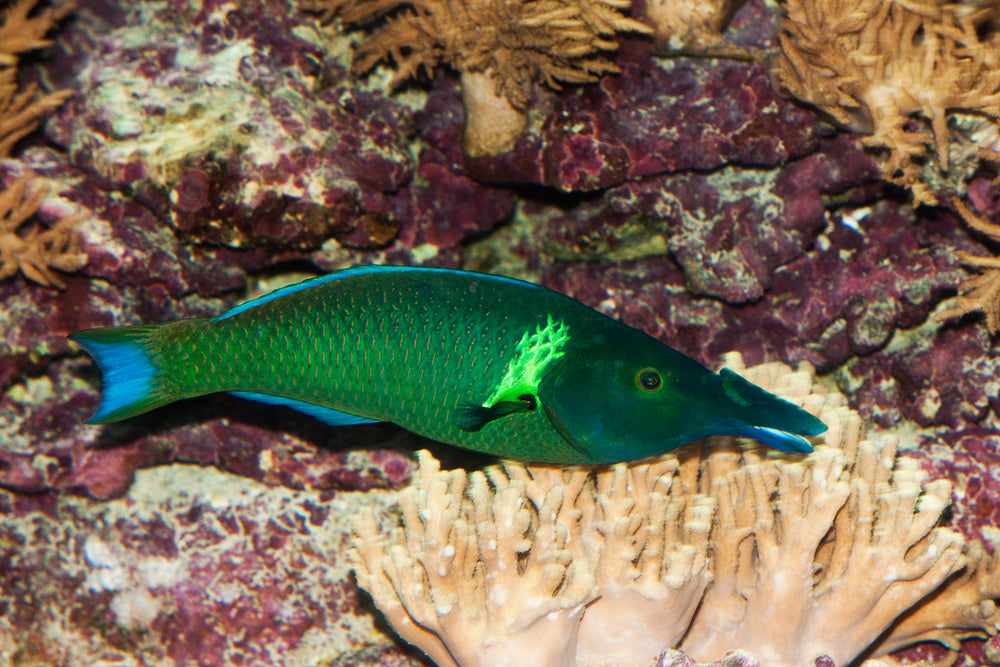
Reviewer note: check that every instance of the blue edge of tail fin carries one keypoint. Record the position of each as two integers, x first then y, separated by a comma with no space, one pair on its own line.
129,375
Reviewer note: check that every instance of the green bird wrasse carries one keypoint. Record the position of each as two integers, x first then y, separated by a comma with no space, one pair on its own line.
491,364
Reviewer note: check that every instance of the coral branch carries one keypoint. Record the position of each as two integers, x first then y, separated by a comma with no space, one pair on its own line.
651,568
38,251
980,293
473,577
892,70
20,112
963,608
20,33
791,558
500,48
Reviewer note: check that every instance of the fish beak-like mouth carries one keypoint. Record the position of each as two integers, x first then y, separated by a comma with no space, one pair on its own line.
791,443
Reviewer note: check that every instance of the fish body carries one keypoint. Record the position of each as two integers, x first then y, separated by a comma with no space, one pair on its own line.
487,363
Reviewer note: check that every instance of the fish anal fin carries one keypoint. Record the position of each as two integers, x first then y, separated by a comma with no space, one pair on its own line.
324,414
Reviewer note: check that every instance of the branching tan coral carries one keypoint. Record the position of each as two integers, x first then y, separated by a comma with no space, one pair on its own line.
39,250
724,546
980,293
842,543
963,608
22,110
34,251
540,543
499,47
892,69
21,32
650,546
477,578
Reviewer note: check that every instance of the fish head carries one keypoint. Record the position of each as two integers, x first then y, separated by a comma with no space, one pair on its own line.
639,400
626,403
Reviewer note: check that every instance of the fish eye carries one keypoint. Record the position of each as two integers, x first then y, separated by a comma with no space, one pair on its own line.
649,379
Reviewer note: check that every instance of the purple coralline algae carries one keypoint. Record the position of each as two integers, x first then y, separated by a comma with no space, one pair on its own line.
729,230
960,455
238,125
222,148
657,117
843,295
191,566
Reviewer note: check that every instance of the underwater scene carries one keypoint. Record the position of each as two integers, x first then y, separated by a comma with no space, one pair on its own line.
802,196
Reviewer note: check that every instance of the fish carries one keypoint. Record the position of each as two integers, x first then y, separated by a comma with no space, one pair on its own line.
482,362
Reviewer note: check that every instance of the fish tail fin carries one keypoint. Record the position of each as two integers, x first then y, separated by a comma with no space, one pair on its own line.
132,382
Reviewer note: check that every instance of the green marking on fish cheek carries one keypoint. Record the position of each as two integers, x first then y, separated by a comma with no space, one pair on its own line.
533,354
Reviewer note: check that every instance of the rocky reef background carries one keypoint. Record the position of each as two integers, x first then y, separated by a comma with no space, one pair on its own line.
224,148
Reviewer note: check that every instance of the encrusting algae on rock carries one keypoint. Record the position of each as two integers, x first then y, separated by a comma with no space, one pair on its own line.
726,548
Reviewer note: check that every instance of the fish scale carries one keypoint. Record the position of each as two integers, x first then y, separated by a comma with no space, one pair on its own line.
482,362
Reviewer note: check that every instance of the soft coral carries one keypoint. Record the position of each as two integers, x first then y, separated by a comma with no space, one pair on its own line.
499,48
893,70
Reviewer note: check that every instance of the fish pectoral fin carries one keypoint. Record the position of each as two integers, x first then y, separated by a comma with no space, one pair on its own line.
472,417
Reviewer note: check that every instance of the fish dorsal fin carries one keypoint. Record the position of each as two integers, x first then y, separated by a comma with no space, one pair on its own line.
356,271
327,415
